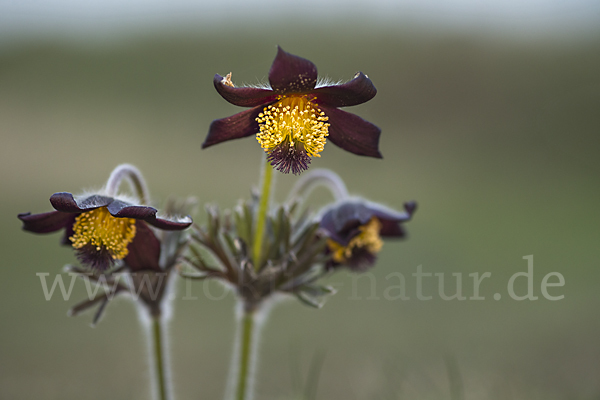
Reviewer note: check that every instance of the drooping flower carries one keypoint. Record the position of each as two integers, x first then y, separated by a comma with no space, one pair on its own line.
355,228
103,229
294,117
150,269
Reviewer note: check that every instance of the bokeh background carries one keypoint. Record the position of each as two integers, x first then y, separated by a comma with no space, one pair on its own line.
490,119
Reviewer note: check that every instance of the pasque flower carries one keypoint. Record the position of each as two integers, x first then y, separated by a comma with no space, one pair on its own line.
103,229
293,118
354,229
149,269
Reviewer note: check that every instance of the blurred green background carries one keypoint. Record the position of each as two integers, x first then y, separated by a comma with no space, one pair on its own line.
495,137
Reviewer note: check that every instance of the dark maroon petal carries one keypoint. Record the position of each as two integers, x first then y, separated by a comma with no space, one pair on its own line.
385,214
292,74
391,229
328,226
144,250
46,222
349,215
243,96
357,91
69,231
120,209
342,221
352,133
391,220
94,201
65,202
410,207
235,127
169,225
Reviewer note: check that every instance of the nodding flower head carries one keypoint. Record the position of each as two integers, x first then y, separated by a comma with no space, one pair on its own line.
149,261
355,230
101,229
293,119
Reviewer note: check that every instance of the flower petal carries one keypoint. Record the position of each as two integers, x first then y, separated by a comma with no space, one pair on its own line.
343,220
237,126
292,74
120,209
65,202
170,225
352,133
66,241
391,220
243,96
46,222
391,229
357,91
144,250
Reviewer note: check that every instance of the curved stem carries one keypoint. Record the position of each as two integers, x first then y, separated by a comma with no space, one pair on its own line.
319,177
159,362
245,356
134,178
262,216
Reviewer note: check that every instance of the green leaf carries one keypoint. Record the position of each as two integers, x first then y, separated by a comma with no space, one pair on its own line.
309,300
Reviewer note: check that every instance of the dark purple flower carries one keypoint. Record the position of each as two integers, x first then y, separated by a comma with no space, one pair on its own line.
293,118
355,228
103,229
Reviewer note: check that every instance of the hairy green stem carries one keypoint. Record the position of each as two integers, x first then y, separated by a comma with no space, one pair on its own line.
135,179
319,177
159,362
259,233
245,356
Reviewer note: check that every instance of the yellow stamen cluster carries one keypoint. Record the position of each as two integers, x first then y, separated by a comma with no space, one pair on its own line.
100,229
367,239
293,119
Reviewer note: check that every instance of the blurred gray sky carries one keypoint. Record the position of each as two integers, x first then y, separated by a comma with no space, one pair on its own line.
97,17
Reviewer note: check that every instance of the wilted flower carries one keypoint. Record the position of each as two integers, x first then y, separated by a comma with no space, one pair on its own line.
354,229
294,117
103,229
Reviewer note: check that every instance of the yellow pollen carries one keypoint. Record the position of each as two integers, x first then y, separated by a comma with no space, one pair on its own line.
100,229
368,239
296,120
227,80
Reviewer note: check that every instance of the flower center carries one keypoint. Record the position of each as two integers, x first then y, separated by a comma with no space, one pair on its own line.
368,240
100,230
293,121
